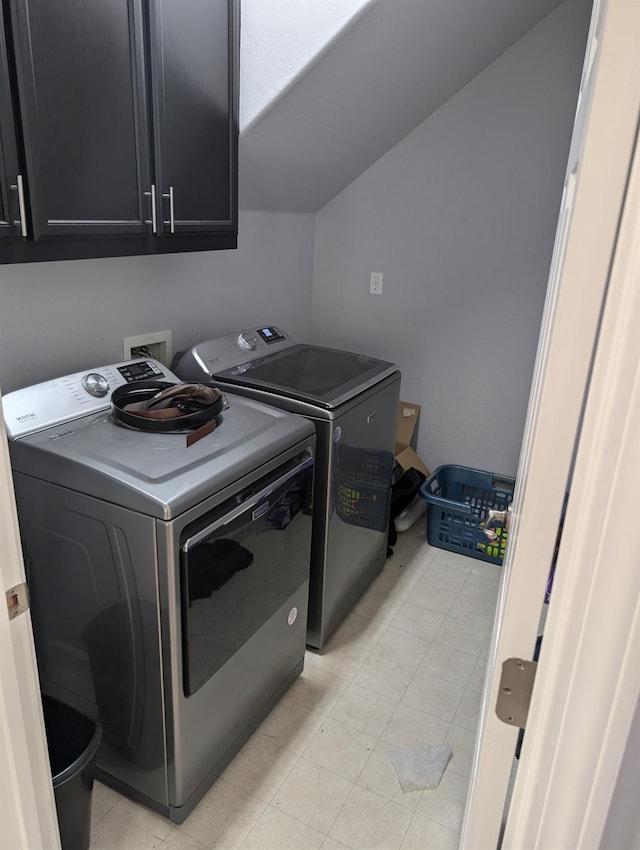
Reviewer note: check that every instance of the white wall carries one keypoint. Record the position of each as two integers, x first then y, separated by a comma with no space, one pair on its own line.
460,217
58,318
279,38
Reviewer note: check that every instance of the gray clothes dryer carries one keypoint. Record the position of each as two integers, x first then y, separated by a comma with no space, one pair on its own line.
352,400
169,585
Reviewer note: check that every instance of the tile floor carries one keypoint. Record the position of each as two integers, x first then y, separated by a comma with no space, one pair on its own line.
404,669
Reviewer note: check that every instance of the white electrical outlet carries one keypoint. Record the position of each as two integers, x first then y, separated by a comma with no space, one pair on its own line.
375,283
158,346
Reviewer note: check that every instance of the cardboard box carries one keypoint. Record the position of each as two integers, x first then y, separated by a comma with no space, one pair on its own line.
406,434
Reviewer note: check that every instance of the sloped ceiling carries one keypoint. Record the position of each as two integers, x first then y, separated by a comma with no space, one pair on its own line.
388,69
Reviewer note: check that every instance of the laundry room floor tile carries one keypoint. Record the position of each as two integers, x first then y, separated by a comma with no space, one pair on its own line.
317,689
462,635
385,675
479,612
402,646
468,711
418,621
260,768
332,844
433,695
378,605
442,576
291,725
278,829
313,795
129,826
405,669
364,710
483,585
429,595
103,799
411,727
371,822
397,582
340,748
445,804
178,840
342,660
224,817
358,630
448,663
476,682
462,743
425,834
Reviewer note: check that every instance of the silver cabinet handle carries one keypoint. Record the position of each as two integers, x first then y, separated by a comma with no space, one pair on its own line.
172,220
23,212
154,220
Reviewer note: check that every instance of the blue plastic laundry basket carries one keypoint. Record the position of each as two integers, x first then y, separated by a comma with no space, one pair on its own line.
458,502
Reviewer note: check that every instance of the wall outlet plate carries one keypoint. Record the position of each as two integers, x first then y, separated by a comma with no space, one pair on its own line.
375,283
158,344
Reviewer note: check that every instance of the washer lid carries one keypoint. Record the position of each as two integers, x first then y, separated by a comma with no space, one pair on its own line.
155,473
325,377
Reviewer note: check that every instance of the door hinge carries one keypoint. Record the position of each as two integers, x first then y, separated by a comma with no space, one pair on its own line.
514,693
17,600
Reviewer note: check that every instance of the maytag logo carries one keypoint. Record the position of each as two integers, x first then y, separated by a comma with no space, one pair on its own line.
60,434
26,416
261,511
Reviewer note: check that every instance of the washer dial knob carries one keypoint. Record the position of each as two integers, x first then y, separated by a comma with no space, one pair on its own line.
95,384
248,341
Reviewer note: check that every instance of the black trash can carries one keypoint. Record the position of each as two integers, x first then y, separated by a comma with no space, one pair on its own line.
73,741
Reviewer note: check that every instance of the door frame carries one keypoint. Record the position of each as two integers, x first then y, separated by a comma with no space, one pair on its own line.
597,176
27,803
571,760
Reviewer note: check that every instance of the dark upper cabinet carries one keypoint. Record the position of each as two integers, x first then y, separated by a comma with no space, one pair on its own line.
127,121
82,93
193,98
11,186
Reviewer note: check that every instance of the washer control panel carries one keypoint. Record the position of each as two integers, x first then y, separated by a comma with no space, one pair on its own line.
141,370
224,352
62,399
270,335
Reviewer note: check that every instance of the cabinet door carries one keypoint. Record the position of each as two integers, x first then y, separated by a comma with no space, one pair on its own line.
193,60
81,85
10,179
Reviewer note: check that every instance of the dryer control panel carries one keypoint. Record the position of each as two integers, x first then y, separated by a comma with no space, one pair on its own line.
54,402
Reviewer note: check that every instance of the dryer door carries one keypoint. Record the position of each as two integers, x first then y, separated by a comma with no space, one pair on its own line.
239,565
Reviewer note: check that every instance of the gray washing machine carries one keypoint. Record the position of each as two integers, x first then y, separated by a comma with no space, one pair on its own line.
352,401
169,584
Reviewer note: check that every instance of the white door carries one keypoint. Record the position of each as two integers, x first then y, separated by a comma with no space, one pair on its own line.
583,303
27,807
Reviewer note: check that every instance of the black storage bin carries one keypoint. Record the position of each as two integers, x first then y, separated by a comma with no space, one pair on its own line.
403,492
73,741
362,486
